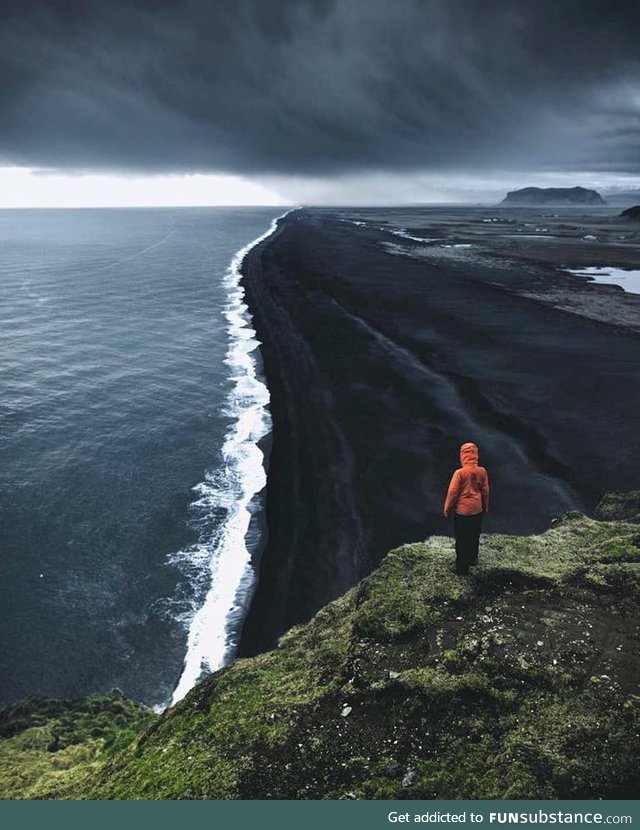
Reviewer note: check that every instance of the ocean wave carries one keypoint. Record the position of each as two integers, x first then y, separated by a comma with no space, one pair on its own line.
406,235
220,565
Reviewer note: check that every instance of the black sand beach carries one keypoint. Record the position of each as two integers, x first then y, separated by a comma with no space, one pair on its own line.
383,354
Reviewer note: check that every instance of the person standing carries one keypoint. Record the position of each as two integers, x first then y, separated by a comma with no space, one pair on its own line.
468,497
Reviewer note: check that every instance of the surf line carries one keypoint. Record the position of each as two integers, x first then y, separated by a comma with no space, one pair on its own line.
226,555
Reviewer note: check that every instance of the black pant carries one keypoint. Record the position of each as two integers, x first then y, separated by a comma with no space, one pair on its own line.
467,530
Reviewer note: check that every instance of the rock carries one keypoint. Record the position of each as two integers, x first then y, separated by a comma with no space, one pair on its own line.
619,507
539,196
632,213
486,721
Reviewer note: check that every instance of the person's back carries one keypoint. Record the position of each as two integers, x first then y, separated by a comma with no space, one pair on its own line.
468,495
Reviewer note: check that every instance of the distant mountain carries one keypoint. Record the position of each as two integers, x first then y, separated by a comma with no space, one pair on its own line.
632,213
553,196
631,197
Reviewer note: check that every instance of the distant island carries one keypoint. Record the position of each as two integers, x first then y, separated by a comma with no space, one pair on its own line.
556,196
631,213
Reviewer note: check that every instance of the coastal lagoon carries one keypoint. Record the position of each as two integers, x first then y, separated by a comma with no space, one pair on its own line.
627,279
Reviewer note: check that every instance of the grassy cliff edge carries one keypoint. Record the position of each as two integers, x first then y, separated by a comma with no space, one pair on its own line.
520,681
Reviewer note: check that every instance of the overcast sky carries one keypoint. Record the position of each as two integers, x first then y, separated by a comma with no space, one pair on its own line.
322,100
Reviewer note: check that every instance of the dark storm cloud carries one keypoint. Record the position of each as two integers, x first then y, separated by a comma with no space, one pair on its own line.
320,86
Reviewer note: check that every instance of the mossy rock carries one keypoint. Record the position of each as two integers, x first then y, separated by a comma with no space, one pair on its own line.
48,746
619,507
518,681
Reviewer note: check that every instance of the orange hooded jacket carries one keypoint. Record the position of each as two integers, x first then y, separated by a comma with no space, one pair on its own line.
468,491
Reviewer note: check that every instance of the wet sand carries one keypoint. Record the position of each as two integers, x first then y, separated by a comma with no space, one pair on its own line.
383,354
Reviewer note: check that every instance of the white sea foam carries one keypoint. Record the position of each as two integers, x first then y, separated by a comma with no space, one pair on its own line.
224,559
406,235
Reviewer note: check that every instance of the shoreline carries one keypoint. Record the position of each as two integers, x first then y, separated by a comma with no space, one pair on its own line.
370,401
233,554
293,485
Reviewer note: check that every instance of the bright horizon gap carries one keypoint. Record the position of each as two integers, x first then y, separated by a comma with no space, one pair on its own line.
33,188
24,187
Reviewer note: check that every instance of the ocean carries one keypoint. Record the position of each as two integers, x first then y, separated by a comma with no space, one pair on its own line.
132,430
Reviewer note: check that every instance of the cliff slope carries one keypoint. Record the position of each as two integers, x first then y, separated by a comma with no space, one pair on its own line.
379,365
520,681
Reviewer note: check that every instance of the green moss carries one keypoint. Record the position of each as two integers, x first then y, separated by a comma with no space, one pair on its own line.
440,687
408,591
619,507
519,681
48,747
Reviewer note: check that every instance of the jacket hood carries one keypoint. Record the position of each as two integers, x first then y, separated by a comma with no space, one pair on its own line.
468,454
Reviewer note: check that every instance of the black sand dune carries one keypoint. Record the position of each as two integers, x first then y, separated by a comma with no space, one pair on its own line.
380,365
